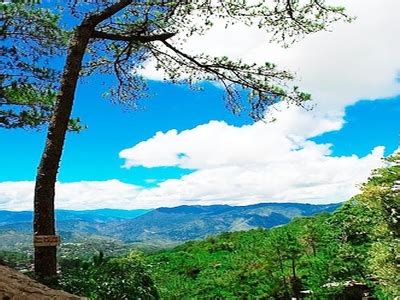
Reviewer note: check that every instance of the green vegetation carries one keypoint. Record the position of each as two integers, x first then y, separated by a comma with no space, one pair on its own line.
28,86
109,278
16,260
359,242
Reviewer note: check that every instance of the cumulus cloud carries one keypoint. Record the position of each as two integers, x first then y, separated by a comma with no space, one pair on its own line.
217,144
252,163
262,162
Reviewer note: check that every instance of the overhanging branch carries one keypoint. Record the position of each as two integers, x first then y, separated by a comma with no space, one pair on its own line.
132,38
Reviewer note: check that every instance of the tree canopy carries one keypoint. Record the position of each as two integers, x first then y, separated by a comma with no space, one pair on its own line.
143,31
31,38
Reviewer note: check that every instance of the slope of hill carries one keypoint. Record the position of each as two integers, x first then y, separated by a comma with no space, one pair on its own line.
353,253
193,222
163,224
261,264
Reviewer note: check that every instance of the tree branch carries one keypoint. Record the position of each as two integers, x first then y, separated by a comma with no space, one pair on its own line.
132,38
98,17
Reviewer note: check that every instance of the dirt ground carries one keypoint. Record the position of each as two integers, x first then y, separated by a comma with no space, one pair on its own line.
16,286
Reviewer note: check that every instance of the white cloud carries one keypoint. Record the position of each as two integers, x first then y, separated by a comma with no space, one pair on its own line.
75,195
253,163
216,144
262,162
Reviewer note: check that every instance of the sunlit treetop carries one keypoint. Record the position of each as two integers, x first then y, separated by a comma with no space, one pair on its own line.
382,192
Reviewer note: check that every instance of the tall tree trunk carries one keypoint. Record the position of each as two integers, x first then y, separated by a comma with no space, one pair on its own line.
295,281
293,268
44,221
286,292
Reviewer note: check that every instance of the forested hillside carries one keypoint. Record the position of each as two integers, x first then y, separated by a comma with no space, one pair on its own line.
353,251
323,255
162,225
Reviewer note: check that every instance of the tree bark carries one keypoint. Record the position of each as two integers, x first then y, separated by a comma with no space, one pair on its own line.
286,292
44,221
295,281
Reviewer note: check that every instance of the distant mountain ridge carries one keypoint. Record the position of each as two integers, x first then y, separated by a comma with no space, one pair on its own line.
173,224
104,214
193,222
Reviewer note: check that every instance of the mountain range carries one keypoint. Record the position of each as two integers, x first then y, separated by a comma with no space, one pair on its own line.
174,224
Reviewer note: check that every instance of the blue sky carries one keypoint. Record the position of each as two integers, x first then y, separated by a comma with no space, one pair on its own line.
185,147
368,124
93,153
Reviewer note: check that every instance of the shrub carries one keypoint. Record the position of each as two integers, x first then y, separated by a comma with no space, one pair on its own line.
109,278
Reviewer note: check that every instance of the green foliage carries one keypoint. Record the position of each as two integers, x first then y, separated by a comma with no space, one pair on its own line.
382,195
357,243
128,39
108,278
27,84
125,44
15,259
